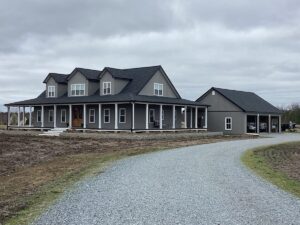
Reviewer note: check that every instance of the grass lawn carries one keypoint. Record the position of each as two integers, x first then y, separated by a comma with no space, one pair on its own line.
35,170
279,164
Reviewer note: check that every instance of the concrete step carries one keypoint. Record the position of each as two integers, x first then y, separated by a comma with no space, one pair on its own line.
53,132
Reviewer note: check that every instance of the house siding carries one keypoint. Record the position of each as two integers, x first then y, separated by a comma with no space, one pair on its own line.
78,78
60,89
117,85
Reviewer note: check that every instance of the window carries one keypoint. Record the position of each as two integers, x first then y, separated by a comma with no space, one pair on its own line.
51,91
106,88
106,115
228,123
122,115
39,116
158,89
92,115
213,93
152,115
63,116
77,89
50,118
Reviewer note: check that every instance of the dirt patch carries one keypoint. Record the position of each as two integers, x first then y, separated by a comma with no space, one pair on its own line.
29,163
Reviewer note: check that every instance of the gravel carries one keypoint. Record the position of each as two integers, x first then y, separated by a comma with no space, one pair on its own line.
204,184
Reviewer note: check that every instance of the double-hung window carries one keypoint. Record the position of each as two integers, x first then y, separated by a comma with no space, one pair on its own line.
122,115
92,115
106,88
106,115
228,123
158,89
151,115
50,118
51,91
39,116
63,116
77,89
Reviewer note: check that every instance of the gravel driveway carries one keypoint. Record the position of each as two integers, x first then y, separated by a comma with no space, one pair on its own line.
204,184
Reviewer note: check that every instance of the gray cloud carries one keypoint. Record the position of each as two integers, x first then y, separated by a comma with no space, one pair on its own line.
248,45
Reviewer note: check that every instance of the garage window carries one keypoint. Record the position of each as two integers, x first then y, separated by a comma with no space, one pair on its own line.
228,123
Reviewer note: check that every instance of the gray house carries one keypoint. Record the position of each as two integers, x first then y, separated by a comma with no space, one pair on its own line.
109,100
238,112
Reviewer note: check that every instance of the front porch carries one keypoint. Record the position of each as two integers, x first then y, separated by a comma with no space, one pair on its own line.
120,116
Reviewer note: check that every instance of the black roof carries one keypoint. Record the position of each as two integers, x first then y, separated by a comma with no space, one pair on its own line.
88,73
59,78
247,101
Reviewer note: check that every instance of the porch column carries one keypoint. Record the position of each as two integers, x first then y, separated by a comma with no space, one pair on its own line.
23,116
257,124
42,116
191,116
147,116
133,116
18,116
54,116
160,117
100,116
279,125
30,116
84,116
116,116
270,125
70,116
174,113
205,125
185,117
196,117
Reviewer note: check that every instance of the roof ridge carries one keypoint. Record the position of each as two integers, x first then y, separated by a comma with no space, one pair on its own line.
226,89
143,67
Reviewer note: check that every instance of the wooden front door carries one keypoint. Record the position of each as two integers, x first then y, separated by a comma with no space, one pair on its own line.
77,116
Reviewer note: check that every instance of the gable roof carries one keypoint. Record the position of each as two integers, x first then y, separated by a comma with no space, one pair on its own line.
59,78
88,73
138,77
246,101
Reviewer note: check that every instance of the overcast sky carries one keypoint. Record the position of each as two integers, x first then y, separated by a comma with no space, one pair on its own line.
245,45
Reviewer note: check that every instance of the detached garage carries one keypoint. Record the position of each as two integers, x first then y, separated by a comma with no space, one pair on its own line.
238,112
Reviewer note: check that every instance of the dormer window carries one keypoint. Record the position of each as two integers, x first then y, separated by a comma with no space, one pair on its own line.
106,88
77,89
158,89
51,91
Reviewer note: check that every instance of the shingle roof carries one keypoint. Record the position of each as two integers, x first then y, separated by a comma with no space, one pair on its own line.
59,78
247,101
89,74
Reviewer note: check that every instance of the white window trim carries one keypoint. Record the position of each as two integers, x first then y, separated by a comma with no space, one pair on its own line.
120,109
158,86
63,111
150,115
228,123
106,84
94,115
37,116
73,87
49,114
52,91
108,110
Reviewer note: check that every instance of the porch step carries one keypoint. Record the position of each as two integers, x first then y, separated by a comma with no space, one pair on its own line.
54,132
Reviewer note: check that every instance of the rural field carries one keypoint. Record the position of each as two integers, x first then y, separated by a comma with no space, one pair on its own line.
35,170
280,164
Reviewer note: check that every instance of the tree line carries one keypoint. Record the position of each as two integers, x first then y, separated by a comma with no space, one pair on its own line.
291,113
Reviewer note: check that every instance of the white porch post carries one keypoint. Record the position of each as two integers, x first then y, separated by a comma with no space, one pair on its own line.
174,113
100,116
191,116
30,116
23,116
270,125
196,117
185,117
257,124
116,116
279,125
205,125
42,116
54,116
133,116
19,116
70,116
84,116
147,116
160,117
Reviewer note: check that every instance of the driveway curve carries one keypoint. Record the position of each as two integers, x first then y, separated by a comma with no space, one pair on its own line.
204,184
